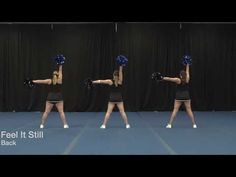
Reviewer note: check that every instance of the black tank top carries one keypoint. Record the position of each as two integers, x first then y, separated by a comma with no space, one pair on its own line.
115,89
182,87
55,88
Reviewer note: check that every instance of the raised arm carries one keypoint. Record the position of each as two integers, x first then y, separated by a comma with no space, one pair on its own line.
107,81
60,72
120,75
187,73
45,81
172,79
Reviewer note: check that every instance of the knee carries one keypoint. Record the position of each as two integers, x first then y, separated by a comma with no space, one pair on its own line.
189,111
122,112
176,109
46,112
188,108
108,113
61,112
45,115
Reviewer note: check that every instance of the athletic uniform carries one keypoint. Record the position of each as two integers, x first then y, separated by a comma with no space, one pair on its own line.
182,92
115,93
55,93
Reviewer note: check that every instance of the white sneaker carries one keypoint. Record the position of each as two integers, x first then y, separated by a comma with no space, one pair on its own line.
66,126
127,126
41,126
194,126
103,126
168,126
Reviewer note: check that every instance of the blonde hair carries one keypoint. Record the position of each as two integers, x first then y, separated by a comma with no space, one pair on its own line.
55,77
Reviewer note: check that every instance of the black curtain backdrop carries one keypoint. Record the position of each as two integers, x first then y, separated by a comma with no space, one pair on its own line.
26,50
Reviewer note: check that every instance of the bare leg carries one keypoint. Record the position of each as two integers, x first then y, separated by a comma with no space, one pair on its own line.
60,108
177,104
122,112
48,109
108,113
189,111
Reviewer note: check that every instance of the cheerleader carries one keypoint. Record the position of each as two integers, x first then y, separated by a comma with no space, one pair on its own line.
54,97
115,96
182,95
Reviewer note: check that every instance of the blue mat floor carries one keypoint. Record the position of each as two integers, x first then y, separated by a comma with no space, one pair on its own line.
215,135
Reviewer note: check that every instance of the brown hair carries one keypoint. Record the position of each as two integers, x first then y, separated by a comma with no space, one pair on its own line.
183,76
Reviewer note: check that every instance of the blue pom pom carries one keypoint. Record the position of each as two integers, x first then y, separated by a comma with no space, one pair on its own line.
187,60
122,60
60,59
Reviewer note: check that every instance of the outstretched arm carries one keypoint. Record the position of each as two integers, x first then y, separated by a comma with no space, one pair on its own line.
187,73
172,79
45,81
107,81
120,75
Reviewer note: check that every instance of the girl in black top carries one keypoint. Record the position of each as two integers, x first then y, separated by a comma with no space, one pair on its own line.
115,97
54,96
181,96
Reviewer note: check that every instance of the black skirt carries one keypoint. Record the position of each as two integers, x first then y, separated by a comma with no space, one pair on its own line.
182,95
54,97
115,97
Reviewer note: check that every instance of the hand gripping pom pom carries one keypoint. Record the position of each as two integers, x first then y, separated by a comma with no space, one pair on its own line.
187,60
29,83
122,60
60,59
157,76
88,83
